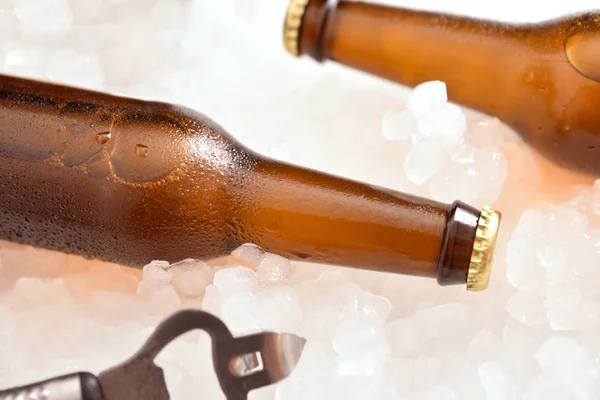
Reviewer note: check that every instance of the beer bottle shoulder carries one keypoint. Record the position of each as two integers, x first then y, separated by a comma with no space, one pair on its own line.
542,79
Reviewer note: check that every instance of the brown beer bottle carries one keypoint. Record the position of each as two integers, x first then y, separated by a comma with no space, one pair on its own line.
541,79
131,181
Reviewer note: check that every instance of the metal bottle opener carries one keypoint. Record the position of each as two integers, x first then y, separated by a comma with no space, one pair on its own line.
242,364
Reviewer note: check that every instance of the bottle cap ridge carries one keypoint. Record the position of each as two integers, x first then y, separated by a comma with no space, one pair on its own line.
483,249
291,27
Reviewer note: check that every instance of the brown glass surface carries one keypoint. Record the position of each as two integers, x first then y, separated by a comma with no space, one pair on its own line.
130,181
541,79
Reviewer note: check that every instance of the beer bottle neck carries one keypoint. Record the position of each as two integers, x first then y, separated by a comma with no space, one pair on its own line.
308,215
474,58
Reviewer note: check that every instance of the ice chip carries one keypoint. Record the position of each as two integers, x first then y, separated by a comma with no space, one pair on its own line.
484,346
521,264
425,96
190,277
248,255
567,359
443,320
439,392
569,310
212,299
374,307
497,383
361,348
34,21
157,273
236,280
75,68
273,269
554,259
85,11
280,308
404,337
398,125
427,371
422,161
527,308
444,123
20,59
162,301
485,134
547,387
241,312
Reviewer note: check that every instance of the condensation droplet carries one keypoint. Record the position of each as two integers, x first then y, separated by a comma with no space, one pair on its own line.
141,150
582,50
103,137
529,76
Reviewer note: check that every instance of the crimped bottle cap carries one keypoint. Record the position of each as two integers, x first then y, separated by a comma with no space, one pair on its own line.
291,26
483,249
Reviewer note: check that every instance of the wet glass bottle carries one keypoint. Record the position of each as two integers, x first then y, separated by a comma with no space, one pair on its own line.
541,79
131,181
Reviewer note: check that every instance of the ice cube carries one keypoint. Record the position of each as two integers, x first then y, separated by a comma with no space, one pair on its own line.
19,58
443,320
241,312
554,259
161,300
190,277
280,309
516,352
567,359
157,273
445,123
527,308
85,11
398,125
498,384
422,161
212,299
439,392
547,387
248,255
428,371
468,385
34,21
273,269
485,134
404,337
374,307
362,348
567,221
236,280
521,261
484,346
75,68
426,95
399,371
569,310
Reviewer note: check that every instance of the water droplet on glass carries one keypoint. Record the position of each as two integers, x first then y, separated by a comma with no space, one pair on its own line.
582,52
141,150
103,137
529,76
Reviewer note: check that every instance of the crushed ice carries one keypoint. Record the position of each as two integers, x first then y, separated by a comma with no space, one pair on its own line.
448,157
532,335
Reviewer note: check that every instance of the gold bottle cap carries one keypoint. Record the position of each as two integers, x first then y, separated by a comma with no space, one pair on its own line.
291,27
483,249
